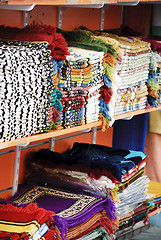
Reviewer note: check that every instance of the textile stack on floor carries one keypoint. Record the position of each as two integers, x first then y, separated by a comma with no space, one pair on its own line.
27,71
132,74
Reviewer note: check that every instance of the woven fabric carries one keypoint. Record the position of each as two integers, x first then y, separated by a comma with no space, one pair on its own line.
130,72
93,156
97,233
26,74
102,221
138,188
79,84
72,207
25,222
57,44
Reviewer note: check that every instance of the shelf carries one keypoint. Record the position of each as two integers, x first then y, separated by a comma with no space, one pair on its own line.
60,2
43,136
24,5
57,133
133,113
81,3
26,8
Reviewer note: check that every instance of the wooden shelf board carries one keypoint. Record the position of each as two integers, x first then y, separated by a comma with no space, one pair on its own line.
82,3
137,112
39,137
43,136
60,2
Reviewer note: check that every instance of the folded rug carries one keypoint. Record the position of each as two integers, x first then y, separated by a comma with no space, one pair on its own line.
95,157
26,222
72,207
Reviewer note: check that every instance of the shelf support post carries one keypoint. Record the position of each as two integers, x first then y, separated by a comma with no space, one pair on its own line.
16,170
25,21
16,167
60,13
94,133
52,144
102,18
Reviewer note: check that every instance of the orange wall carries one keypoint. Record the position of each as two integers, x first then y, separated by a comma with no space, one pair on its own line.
72,18
7,160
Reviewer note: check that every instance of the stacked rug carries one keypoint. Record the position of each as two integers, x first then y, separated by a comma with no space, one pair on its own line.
111,61
79,84
76,213
96,68
99,170
27,222
56,105
154,82
130,207
154,203
140,200
130,74
26,77
31,58
146,214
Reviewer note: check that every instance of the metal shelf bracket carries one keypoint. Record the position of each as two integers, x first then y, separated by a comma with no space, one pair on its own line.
60,14
94,133
130,3
16,167
25,23
102,18
52,143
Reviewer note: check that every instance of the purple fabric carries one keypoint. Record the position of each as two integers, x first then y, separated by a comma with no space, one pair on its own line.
62,225
55,204
75,208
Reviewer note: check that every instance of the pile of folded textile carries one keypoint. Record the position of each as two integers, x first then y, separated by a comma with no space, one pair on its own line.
130,208
139,200
110,76
154,203
26,76
90,191
154,81
79,84
76,214
30,58
27,222
131,74
99,170
143,215
159,82
88,69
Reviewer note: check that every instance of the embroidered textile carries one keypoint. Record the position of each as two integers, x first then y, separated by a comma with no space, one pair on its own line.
74,208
